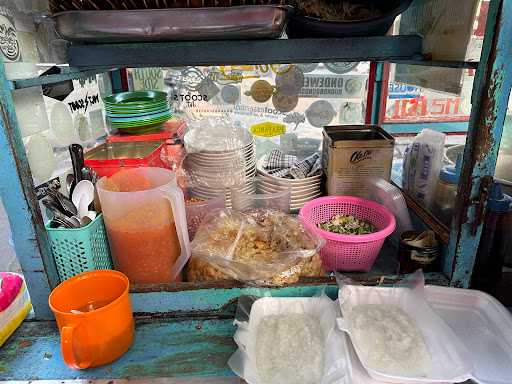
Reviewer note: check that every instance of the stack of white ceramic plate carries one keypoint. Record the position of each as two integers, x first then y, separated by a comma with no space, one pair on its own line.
216,163
302,190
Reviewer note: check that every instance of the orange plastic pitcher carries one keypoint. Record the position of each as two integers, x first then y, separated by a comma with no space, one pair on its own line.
146,221
94,316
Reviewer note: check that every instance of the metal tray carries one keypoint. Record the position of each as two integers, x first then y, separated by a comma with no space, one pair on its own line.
238,22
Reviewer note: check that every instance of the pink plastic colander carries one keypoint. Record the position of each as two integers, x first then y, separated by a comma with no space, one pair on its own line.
348,252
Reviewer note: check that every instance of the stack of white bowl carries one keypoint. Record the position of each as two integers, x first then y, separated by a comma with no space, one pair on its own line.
217,163
302,190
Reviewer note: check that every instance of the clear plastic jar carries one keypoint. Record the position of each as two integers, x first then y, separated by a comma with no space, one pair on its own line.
445,193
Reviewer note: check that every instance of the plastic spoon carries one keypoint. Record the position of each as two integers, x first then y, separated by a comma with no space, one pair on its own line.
83,207
83,195
89,218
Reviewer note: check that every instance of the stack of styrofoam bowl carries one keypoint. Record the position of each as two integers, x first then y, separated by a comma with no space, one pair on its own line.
302,190
215,163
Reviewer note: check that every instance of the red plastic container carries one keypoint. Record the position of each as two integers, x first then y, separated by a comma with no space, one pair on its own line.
111,157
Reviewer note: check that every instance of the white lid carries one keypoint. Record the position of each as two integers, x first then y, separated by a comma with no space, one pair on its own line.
483,325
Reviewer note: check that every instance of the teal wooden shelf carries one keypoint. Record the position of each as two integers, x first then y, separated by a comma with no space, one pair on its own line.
441,63
192,343
90,59
162,348
184,53
219,298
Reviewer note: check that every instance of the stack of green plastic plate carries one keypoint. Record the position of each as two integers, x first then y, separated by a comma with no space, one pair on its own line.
137,112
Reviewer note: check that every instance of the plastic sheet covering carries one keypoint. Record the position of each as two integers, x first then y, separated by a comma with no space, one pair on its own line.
251,311
449,358
220,155
216,135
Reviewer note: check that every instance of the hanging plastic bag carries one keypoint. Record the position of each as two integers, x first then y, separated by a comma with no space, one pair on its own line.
437,355
289,340
423,160
255,245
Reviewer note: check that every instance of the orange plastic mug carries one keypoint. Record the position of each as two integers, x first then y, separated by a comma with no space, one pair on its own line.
94,316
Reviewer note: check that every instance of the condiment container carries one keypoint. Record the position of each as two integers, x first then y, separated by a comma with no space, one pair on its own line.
352,154
348,252
418,251
446,192
495,243
144,213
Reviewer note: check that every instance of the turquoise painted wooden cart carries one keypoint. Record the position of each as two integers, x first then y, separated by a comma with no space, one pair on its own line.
186,329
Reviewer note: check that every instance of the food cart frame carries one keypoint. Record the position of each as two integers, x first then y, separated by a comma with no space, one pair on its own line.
208,308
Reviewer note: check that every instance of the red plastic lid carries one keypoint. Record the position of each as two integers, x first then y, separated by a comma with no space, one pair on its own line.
160,136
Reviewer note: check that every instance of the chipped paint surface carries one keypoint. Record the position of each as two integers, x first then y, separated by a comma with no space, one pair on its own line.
162,348
161,380
490,102
217,300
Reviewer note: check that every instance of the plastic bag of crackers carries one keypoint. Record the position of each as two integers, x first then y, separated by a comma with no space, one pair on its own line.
263,246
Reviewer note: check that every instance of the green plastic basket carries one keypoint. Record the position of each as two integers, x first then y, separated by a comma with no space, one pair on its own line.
81,249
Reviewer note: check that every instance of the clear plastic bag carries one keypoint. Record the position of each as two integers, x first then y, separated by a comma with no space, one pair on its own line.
254,245
220,155
449,358
320,309
216,135
423,160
